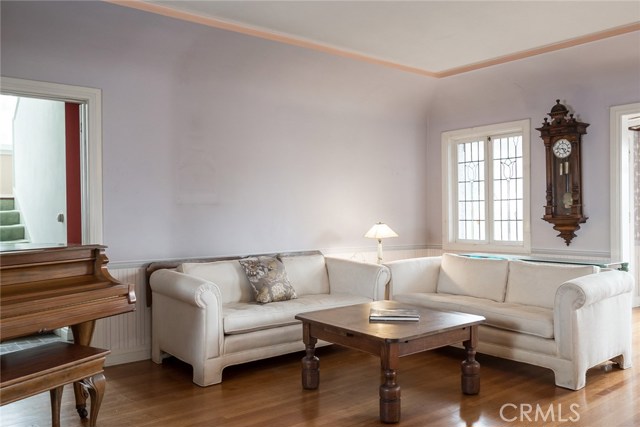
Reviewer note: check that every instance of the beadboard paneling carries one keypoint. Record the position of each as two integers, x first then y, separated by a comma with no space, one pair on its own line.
128,336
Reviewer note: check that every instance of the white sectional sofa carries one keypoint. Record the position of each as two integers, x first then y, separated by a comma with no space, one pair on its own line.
204,313
564,317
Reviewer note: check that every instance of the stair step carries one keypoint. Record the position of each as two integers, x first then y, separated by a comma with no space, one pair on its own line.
9,217
7,204
11,232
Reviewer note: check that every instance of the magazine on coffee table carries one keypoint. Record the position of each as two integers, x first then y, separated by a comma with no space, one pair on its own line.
393,315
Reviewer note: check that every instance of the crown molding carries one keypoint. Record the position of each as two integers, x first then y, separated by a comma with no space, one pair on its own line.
308,44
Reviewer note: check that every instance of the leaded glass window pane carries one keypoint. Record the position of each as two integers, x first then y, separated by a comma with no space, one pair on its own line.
508,188
471,194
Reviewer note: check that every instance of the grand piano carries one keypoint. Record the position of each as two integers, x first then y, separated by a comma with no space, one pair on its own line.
49,288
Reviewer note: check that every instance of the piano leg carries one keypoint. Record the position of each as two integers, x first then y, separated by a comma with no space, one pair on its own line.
95,387
82,334
56,399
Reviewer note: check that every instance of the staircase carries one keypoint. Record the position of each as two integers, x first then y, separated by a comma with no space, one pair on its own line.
11,230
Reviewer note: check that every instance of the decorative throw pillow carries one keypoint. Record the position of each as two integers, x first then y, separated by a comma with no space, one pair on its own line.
268,279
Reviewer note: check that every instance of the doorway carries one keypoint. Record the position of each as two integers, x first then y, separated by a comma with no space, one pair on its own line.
40,171
88,104
625,189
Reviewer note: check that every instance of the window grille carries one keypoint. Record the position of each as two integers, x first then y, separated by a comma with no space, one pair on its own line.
486,200
508,197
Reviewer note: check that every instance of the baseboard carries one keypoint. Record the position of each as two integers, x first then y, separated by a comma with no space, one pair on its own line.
129,355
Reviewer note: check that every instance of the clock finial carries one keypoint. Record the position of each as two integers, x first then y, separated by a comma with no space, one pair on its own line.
558,112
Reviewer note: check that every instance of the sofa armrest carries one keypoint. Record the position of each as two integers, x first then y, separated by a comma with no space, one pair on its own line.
186,317
183,287
592,288
414,275
356,277
592,317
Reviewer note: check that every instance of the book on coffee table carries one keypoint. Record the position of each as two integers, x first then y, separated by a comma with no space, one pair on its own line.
393,315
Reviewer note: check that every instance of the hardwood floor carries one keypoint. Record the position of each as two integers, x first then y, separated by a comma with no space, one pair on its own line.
269,392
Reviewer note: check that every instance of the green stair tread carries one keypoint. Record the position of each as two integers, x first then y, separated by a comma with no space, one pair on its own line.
9,217
11,232
7,204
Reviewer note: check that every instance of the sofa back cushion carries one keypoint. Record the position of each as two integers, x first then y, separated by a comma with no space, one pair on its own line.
307,273
414,275
476,277
536,283
228,275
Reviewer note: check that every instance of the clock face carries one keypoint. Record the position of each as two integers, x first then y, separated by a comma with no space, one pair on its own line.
562,148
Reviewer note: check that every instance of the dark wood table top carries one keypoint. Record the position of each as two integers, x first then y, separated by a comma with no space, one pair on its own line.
355,319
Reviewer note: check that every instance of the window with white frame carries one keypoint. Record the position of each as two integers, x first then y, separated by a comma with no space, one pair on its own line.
486,188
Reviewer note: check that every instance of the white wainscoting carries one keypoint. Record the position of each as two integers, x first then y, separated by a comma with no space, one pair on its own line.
391,254
128,336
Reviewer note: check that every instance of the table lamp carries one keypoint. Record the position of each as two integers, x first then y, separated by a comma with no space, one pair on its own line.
380,231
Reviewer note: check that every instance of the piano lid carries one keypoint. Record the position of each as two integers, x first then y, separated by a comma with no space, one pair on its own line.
48,288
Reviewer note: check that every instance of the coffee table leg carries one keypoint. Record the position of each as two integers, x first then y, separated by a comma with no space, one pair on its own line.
470,366
310,363
390,390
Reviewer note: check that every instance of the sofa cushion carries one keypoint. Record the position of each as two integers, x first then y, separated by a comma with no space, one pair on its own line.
240,318
507,344
307,273
520,318
476,277
229,276
414,274
268,278
261,342
536,283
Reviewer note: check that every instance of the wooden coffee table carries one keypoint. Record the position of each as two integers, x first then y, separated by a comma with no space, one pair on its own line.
349,326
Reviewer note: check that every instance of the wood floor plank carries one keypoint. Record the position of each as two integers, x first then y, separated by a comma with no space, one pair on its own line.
269,392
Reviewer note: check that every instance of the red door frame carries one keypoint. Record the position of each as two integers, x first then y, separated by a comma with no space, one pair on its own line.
74,204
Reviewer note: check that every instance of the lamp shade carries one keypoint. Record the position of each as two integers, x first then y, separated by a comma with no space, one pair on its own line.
380,231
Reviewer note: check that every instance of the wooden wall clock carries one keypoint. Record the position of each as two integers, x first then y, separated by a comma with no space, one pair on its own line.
562,137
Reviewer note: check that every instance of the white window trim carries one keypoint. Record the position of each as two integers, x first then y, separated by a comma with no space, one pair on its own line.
449,205
90,100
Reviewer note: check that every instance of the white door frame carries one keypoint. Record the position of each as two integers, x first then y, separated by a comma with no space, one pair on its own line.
90,100
619,162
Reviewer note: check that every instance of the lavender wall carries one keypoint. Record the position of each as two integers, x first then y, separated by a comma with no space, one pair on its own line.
219,143
589,79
